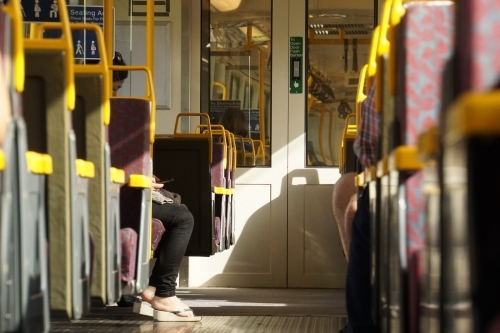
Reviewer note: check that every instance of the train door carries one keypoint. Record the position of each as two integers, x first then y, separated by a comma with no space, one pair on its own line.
286,234
334,37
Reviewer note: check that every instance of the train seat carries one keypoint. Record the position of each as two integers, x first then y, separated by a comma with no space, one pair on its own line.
158,229
10,257
129,139
65,188
418,83
49,96
187,158
90,117
231,187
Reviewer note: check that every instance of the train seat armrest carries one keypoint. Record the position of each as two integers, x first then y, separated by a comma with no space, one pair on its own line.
139,181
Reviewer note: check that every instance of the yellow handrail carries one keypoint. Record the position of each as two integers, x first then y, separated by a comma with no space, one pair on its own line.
99,68
382,50
224,89
360,95
64,43
233,145
397,12
372,57
252,154
347,133
13,9
219,130
191,135
248,46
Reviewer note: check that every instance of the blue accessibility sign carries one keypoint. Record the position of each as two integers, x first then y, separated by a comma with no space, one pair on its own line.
84,41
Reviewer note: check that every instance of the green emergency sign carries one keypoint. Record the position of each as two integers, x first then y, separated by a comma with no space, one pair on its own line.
296,59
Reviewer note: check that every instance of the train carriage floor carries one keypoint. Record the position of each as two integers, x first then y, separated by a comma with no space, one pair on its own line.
227,310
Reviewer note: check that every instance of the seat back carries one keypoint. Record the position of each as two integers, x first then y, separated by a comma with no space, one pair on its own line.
49,96
187,161
130,138
417,81
90,117
187,157
10,257
28,172
129,134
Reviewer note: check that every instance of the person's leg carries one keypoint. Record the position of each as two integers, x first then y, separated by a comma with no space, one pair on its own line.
358,286
178,222
343,190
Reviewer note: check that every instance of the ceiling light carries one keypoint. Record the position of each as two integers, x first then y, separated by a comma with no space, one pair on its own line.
225,5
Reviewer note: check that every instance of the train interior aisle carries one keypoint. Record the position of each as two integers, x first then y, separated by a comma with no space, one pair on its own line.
270,124
224,310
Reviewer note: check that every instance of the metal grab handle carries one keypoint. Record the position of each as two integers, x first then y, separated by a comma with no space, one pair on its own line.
190,135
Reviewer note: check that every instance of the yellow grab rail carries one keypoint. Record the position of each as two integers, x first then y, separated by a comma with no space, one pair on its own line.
360,95
65,43
372,57
207,135
233,147
382,50
224,89
251,154
397,12
13,9
222,132
99,68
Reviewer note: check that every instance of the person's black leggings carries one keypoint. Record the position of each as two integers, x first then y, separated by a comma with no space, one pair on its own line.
358,286
178,222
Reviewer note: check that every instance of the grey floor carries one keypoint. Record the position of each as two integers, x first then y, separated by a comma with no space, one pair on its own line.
229,310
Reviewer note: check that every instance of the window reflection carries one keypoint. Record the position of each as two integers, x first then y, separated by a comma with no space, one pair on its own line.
239,74
338,45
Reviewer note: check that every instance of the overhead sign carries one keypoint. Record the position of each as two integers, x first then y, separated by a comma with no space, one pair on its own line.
84,41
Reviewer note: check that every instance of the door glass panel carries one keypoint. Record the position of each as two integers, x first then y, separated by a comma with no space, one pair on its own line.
338,46
240,76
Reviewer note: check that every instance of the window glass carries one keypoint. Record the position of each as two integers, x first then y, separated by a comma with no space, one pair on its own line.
338,46
240,75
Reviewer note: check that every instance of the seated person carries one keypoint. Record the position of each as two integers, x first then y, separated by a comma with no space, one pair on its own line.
344,202
178,221
235,121
160,294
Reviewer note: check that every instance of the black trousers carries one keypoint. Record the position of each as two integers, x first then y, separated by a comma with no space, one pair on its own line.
178,222
358,285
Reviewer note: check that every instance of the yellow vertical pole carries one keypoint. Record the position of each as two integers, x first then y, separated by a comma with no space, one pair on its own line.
108,36
150,36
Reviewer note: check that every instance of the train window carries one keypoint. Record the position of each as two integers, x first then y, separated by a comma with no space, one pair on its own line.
338,45
239,75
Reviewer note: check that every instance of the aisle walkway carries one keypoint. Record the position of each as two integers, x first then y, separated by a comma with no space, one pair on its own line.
229,310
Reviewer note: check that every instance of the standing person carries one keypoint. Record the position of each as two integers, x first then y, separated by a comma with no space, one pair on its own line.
159,297
358,285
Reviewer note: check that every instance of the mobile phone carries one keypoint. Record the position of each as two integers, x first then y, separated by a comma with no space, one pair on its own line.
165,181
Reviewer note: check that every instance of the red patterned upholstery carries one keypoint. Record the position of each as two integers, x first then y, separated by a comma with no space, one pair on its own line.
128,239
427,33
217,167
478,50
158,229
129,135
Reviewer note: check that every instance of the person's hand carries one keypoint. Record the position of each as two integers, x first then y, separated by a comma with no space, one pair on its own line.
155,185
